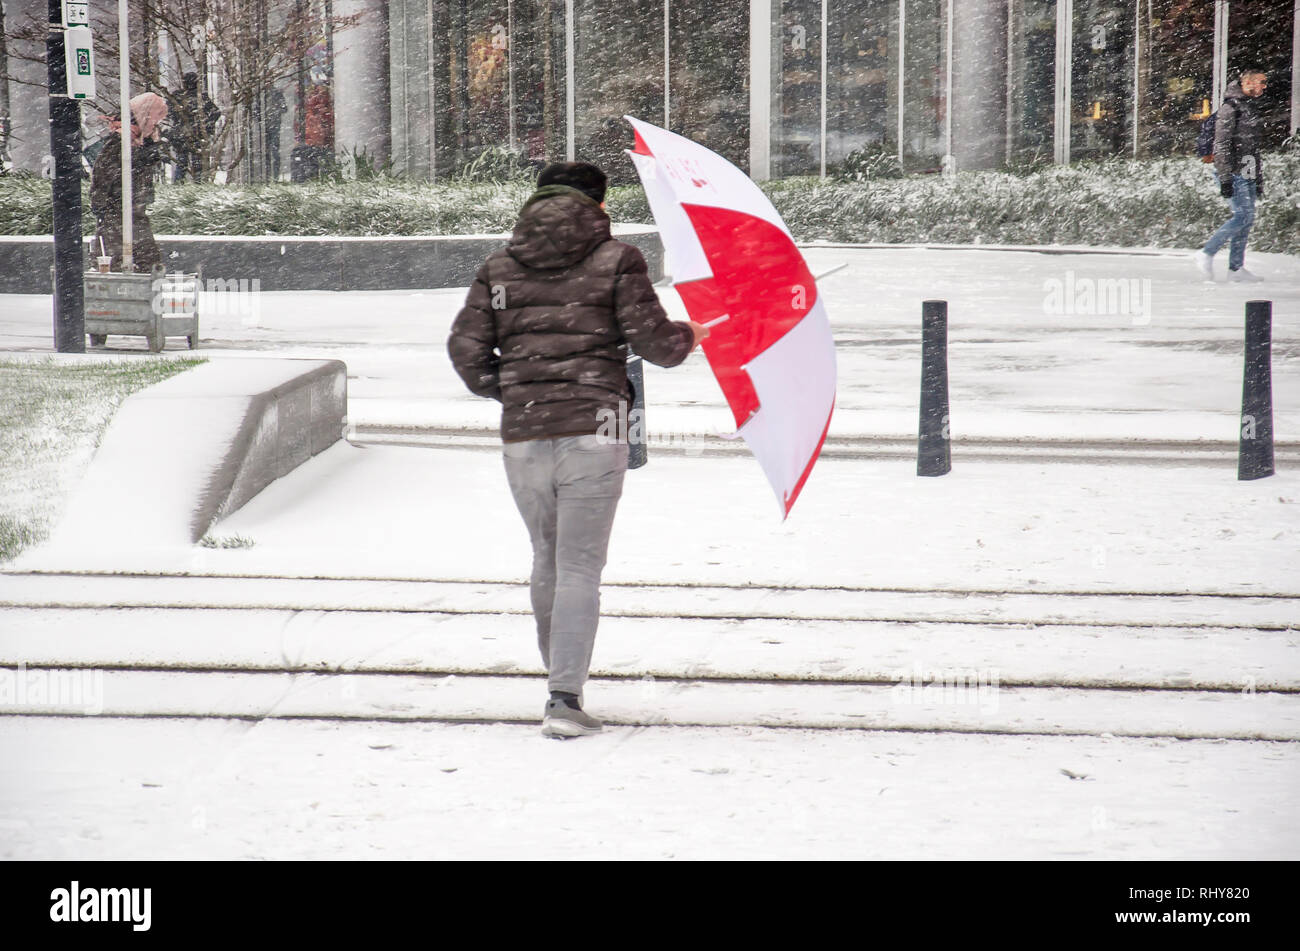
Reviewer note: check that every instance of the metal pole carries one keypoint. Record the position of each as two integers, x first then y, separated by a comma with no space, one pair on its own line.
1220,81
947,93
1137,76
933,456
1064,93
512,134
65,140
570,104
667,78
128,186
902,42
1255,448
1009,139
762,45
1295,70
823,104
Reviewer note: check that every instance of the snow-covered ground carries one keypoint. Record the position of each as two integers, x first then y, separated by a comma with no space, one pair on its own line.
1130,625
1018,368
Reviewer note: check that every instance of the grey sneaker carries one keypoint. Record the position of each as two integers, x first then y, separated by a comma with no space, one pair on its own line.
1205,264
561,720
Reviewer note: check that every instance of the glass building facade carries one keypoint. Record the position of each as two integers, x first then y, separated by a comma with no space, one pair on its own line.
780,87
793,87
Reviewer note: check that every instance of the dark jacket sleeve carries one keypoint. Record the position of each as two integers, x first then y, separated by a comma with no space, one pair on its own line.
472,345
642,318
106,180
1225,141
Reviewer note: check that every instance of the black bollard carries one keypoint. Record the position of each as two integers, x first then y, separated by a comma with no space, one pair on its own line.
637,453
933,454
1255,452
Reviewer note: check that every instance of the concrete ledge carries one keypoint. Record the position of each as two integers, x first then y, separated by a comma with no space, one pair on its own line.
308,263
186,452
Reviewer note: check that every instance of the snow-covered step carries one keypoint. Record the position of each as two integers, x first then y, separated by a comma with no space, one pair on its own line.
652,600
831,651
700,442
965,708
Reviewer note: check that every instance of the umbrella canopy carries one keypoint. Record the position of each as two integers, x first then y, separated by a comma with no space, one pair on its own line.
736,267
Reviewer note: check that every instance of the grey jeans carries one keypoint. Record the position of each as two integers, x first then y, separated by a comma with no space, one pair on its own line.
567,489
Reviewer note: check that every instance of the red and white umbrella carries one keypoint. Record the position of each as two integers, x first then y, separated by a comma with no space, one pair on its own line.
736,267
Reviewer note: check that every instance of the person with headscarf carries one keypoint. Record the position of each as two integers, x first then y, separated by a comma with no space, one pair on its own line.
148,110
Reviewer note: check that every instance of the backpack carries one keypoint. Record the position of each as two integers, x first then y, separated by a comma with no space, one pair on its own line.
1205,138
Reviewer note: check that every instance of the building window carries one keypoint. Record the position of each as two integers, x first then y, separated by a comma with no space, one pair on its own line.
708,66
498,79
618,70
1031,87
925,84
1176,73
1101,79
1260,35
797,90
861,78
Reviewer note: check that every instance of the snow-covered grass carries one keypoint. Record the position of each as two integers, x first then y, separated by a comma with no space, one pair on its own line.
1150,203
52,415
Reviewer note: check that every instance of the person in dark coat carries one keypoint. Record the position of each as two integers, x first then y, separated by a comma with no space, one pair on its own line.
546,330
1240,171
276,109
196,120
148,110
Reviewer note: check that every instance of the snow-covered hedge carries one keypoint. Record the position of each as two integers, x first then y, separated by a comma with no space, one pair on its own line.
1161,203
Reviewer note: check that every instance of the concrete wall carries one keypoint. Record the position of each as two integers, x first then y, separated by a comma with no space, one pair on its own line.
304,263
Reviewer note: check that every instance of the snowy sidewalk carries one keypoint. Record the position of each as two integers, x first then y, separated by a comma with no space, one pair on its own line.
323,790
1030,657
1021,367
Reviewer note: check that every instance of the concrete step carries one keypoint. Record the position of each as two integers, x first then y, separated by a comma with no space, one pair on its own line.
1172,452
1069,608
635,648
497,699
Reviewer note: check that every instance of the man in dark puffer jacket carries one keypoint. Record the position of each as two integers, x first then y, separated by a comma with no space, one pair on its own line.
546,330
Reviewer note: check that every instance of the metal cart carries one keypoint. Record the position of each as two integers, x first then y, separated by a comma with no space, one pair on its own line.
154,306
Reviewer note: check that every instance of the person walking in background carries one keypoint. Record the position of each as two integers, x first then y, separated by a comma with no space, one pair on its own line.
148,110
545,330
275,110
1240,172
315,128
196,121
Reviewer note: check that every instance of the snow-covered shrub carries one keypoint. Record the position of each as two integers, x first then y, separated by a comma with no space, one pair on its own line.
867,164
497,164
1171,203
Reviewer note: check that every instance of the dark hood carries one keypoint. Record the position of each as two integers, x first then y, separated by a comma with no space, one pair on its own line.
557,227
1234,90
